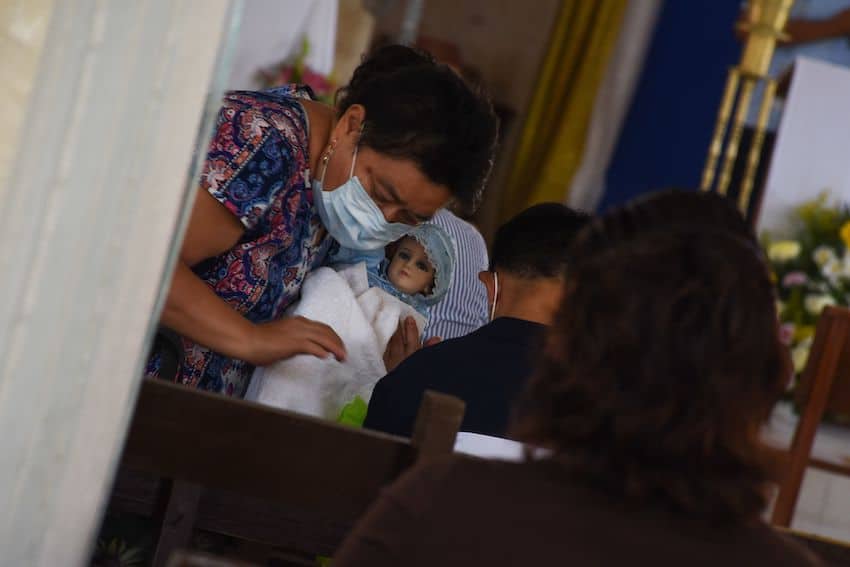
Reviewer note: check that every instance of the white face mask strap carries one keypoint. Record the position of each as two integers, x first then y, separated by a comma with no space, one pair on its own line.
495,295
357,147
353,161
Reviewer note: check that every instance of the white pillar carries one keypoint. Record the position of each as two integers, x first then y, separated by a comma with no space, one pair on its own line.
23,27
88,218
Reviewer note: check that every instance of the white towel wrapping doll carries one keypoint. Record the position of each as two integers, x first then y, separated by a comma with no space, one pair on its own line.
364,306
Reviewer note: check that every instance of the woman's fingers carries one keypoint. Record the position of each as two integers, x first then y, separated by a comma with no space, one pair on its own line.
313,348
395,349
411,336
403,343
410,333
404,334
325,337
287,337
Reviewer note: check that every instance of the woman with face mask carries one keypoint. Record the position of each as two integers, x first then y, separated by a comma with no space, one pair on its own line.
284,176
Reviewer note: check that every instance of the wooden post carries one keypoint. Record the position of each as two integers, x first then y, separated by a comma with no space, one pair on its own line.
831,338
437,424
178,522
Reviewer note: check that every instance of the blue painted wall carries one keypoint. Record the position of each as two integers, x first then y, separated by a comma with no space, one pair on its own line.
669,125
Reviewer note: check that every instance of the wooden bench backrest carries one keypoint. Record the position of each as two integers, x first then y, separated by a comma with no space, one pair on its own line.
832,552
194,460
242,447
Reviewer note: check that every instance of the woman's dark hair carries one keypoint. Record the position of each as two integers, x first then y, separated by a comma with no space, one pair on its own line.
664,360
421,110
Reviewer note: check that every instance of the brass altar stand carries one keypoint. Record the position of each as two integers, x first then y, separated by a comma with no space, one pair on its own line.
763,27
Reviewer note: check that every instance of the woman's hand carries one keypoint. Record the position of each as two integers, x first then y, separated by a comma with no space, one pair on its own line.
284,338
193,310
403,343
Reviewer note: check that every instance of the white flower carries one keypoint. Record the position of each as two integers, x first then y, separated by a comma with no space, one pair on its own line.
783,250
832,270
822,255
800,354
845,266
815,303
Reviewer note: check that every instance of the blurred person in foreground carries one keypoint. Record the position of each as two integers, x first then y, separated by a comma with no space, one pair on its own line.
661,366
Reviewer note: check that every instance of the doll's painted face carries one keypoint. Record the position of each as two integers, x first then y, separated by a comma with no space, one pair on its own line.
410,271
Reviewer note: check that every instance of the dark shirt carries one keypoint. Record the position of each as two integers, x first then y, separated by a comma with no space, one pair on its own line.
487,369
461,512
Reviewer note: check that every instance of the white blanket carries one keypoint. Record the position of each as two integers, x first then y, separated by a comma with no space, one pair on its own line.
364,318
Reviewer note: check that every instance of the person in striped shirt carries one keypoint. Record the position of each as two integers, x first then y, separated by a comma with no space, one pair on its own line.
464,308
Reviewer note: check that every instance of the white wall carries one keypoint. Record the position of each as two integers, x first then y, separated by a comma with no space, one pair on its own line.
272,31
810,154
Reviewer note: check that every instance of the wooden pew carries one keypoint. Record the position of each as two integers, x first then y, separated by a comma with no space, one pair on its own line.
830,551
195,460
824,382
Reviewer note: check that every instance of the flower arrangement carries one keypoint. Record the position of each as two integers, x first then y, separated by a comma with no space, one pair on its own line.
812,270
295,70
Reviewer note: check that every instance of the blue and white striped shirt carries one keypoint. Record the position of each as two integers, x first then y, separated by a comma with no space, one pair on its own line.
464,308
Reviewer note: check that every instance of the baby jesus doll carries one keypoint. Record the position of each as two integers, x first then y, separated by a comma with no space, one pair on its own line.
416,269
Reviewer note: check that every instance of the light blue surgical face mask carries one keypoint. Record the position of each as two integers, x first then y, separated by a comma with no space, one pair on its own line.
351,217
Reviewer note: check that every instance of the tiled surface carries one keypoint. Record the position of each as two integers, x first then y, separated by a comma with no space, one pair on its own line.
824,505
836,510
813,497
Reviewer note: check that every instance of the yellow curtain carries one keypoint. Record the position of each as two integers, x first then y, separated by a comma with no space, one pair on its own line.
552,139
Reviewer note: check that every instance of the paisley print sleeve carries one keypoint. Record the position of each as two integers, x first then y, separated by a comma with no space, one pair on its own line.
249,162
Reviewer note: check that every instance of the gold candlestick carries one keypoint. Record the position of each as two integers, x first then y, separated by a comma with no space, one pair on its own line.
765,22
735,136
755,147
723,115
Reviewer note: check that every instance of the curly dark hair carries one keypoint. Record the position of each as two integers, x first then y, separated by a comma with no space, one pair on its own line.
664,360
421,110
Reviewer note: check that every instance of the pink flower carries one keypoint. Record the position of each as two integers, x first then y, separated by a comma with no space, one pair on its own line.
794,279
786,333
